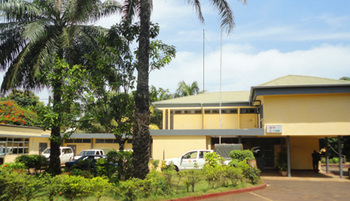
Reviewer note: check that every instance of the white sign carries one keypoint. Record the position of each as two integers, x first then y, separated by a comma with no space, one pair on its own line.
273,128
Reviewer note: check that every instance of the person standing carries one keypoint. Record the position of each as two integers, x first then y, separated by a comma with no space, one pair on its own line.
316,157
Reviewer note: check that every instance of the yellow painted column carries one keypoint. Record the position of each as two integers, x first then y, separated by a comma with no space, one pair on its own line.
239,117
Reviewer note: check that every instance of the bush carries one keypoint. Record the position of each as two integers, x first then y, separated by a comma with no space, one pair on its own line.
233,174
241,155
213,159
192,177
335,160
73,187
37,162
131,189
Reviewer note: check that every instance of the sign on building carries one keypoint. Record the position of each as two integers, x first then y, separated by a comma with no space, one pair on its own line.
273,128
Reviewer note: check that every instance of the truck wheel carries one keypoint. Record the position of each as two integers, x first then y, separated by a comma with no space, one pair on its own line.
176,168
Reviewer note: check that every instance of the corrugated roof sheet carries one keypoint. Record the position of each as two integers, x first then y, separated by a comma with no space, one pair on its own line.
290,80
213,97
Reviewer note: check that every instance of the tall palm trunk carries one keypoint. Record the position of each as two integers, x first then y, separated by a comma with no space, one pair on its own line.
56,140
141,135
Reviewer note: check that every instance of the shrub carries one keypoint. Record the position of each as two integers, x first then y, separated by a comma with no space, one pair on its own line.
335,160
241,155
100,186
192,177
213,159
234,174
73,187
155,164
131,189
37,162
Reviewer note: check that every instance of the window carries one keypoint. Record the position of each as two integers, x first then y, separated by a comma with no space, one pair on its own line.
14,145
77,141
106,141
223,111
249,111
186,112
190,155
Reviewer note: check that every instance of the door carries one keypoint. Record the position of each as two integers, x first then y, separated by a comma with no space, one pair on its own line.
189,159
42,147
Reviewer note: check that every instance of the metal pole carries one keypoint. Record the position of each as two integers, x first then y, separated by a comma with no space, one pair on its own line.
340,157
220,84
327,157
203,61
288,156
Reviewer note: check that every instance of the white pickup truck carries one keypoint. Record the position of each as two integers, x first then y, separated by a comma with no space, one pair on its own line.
195,159
189,159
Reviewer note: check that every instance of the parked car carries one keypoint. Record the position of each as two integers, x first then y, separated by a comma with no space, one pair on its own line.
65,156
89,152
84,162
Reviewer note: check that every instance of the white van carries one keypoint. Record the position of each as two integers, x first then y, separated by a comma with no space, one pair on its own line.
65,156
89,152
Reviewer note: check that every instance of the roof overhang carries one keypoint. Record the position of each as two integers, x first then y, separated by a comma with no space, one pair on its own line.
210,132
199,105
297,89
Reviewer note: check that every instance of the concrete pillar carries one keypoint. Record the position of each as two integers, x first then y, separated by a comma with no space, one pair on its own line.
288,156
340,157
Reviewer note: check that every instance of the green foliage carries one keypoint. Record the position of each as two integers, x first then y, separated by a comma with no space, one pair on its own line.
234,174
282,160
100,186
241,155
191,178
107,167
73,187
131,189
25,99
335,160
155,164
186,90
38,162
213,160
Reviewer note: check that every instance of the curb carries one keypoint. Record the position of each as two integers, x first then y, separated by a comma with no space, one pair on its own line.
211,195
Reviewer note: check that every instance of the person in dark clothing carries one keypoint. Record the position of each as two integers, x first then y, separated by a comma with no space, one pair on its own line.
316,157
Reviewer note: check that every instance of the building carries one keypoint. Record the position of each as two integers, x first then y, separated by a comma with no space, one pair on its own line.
17,140
291,111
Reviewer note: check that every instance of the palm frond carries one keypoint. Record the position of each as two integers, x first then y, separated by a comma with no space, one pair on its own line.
225,12
197,6
19,10
131,8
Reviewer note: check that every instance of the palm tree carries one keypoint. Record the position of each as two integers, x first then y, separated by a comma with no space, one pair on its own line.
34,33
187,90
141,136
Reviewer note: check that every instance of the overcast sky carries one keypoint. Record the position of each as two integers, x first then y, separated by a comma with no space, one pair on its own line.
271,38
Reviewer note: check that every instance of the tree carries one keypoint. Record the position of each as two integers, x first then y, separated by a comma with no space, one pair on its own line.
141,135
34,34
25,99
345,78
186,90
156,118
12,113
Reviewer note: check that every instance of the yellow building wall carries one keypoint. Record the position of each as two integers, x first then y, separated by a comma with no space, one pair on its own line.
8,130
34,144
301,149
321,115
228,121
165,147
187,121
248,121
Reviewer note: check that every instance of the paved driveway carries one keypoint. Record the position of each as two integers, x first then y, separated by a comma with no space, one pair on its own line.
296,189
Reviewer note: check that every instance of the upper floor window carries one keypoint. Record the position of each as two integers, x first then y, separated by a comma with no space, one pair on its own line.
77,140
249,111
186,111
223,111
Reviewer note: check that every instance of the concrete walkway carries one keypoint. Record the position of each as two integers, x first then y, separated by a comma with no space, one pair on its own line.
303,186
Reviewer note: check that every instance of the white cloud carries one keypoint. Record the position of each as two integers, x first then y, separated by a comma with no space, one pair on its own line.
242,68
